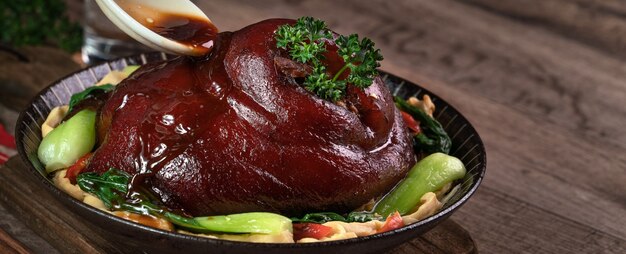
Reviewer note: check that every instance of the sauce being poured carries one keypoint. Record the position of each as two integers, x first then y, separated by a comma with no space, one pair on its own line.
190,31
198,33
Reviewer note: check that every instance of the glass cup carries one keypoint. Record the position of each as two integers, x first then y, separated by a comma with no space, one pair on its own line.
103,40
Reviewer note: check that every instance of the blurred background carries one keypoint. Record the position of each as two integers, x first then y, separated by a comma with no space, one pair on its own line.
543,81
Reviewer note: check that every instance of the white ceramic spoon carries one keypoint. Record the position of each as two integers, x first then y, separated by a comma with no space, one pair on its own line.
135,18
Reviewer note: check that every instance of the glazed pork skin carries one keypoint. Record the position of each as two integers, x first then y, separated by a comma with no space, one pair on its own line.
232,133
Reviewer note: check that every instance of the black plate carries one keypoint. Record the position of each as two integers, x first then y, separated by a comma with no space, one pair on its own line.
467,146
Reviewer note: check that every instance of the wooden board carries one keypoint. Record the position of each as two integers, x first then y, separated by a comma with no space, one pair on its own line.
543,82
8,244
38,210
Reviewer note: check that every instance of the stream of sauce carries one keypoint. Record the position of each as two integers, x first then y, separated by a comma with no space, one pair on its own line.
194,32
167,122
193,94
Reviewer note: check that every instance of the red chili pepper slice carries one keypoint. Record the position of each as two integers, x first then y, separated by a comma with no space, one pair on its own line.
392,222
410,122
78,167
311,230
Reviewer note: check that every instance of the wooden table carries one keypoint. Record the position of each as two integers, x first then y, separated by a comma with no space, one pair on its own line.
543,82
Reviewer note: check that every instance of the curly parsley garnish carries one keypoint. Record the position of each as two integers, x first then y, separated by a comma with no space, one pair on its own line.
305,42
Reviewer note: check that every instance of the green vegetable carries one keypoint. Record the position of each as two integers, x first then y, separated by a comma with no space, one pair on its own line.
38,22
265,223
256,222
94,90
428,175
69,141
433,137
330,216
112,188
89,92
305,42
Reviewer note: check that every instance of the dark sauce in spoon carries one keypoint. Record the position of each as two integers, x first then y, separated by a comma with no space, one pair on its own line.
191,31
197,33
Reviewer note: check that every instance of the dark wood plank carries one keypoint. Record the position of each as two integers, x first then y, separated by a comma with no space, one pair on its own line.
543,82
598,23
9,244
447,237
17,230
41,212
69,234
518,225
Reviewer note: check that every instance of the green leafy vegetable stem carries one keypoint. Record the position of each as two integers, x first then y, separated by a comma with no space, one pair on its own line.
428,175
69,141
433,137
112,187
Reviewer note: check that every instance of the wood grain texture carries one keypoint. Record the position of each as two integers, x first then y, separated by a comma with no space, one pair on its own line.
544,83
8,244
44,215
65,230
16,229
598,23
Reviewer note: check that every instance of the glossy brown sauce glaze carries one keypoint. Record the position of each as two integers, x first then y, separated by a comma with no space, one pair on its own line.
233,133
198,33
193,32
